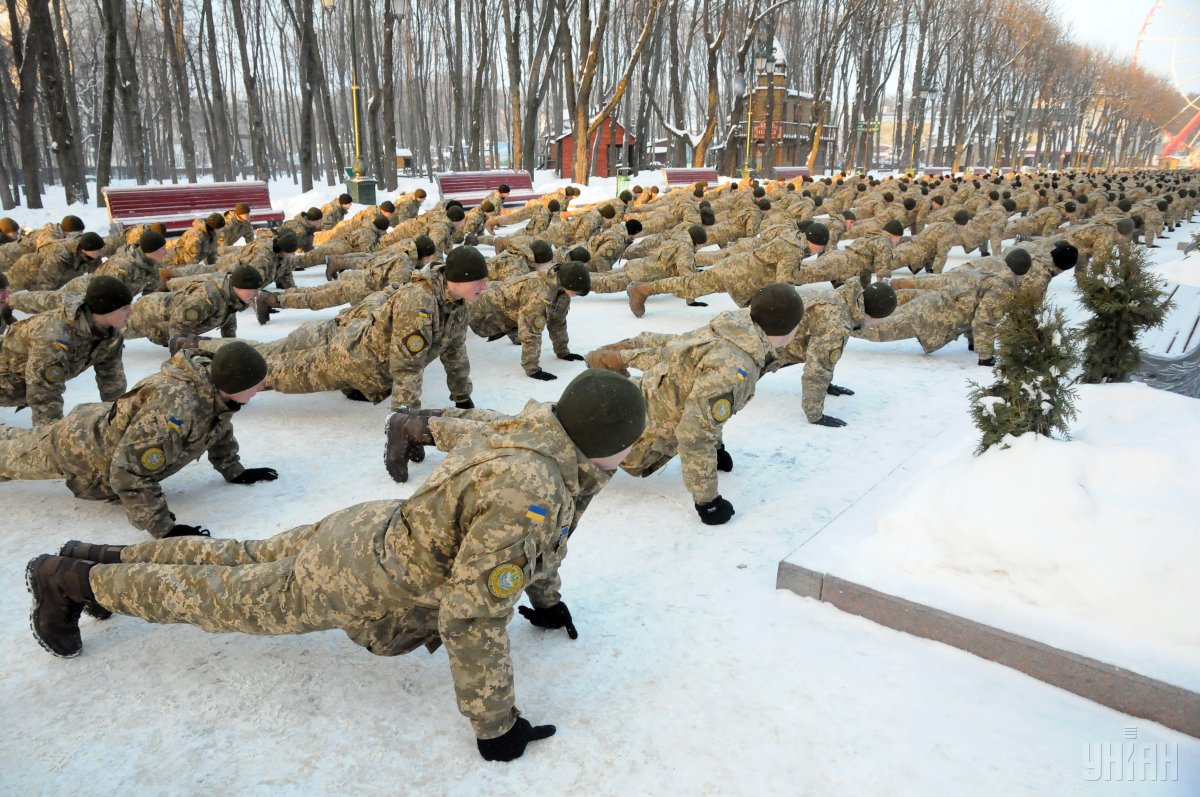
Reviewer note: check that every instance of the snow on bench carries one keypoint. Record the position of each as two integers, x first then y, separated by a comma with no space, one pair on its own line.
177,206
470,188
681,177
1171,353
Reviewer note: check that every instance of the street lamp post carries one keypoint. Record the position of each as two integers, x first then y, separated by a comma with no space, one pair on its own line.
764,56
927,92
360,188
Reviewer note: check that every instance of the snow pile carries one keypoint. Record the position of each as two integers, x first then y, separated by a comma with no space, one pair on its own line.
1102,529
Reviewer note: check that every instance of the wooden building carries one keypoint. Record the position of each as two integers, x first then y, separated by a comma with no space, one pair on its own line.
614,149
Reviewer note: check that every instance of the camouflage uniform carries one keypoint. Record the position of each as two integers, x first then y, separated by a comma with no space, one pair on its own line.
127,237
675,258
122,449
130,265
380,346
39,354
994,284
447,566
829,318
934,243
203,303
236,230
332,213
377,272
298,227
741,275
197,245
864,256
275,267
515,261
53,265
528,305
408,206
934,318
692,384
359,238
607,247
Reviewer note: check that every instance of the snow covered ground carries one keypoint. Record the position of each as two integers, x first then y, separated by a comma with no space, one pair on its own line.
691,674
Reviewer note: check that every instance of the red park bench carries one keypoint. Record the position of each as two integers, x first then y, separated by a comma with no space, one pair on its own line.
177,206
791,172
470,188
682,177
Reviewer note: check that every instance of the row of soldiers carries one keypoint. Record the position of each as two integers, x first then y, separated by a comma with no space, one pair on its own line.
492,522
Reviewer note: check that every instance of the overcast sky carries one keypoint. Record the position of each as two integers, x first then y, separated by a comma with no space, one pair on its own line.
1116,23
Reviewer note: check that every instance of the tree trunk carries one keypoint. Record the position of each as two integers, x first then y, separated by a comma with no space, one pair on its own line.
112,18
219,133
254,109
41,38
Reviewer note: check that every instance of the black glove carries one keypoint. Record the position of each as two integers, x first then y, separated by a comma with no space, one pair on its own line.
543,376
988,363
715,512
570,357
255,475
724,460
471,240
557,616
180,530
830,421
838,390
512,744
697,304
465,404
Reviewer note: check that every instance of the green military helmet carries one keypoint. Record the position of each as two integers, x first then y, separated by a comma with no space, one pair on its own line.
542,251
465,264
602,412
237,366
776,308
879,300
425,246
1018,260
574,276
106,294
246,277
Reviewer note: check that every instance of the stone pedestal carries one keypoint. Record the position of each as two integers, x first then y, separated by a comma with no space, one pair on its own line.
362,189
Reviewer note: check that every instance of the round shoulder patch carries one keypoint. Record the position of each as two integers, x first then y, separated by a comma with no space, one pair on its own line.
539,322
54,373
415,343
506,579
834,356
191,315
153,458
721,409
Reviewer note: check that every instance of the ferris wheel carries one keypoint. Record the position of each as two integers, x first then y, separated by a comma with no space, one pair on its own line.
1169,43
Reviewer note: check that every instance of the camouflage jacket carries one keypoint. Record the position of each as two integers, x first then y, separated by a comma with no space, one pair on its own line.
123,449
52,266
417,324
298,227
235,230
491,523
523,304
331,214
197,245
515,261
607,247
692,384
39,354
202,304
829,318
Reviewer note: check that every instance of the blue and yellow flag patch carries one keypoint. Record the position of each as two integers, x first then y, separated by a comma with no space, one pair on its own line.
741,375
423,314
62,344
174,423
537,513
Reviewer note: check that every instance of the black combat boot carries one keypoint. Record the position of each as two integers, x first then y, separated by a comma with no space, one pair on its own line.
406,436
99,554
60,590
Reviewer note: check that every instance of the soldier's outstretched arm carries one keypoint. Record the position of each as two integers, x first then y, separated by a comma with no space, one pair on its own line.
502,519
412,335
110,372
45,381
711,402
824,351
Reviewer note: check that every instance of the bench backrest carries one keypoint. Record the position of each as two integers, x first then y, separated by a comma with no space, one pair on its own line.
471,187
176,205
678,177
791,172
1180,332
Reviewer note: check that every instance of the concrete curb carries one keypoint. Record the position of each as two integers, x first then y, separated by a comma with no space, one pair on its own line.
1117,688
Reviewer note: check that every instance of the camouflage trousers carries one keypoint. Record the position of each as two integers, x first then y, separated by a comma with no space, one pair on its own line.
43,301
711,280
309,361
639,270
316,577
836,267
148,324
349,288
26,454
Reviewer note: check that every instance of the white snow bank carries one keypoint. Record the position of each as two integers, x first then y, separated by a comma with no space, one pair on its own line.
1101,529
